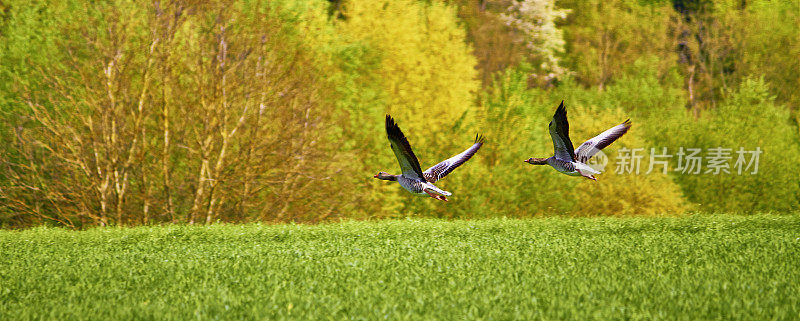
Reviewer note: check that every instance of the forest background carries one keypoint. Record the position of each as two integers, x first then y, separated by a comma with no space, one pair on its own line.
148,112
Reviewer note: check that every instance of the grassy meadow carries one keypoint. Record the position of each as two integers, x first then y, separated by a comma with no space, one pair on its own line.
695,267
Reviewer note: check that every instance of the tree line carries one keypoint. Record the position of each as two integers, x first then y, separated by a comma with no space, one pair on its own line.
147,112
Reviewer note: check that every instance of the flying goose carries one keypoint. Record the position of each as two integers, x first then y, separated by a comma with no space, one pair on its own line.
413,178
573,162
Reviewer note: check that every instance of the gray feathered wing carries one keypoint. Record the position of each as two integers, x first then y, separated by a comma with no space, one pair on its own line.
439,171
590,147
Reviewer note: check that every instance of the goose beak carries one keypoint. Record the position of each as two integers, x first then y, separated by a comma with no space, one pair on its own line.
375,176
527,161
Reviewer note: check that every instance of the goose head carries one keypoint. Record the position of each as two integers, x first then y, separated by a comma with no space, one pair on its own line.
385,176
536,161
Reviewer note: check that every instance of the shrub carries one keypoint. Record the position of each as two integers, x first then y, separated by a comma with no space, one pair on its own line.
748,119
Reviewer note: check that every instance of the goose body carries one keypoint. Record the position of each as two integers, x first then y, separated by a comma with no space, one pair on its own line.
412,178
568,160
417,186
571,168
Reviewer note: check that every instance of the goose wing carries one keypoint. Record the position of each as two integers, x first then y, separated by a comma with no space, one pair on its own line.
559,132
439,171
409,164
586,150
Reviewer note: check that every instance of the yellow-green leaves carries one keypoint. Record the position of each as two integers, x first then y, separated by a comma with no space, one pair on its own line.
426,69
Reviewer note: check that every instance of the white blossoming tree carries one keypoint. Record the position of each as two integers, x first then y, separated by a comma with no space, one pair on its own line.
535,22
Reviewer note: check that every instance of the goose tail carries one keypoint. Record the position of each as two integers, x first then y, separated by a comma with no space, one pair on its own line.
586,168
438,190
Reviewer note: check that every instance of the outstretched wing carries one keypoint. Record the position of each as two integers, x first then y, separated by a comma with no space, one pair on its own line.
439,171
409,164
586,150
559,132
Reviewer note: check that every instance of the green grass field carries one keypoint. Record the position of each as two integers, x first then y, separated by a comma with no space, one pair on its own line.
691,268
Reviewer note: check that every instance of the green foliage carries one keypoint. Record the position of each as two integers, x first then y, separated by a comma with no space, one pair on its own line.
697,267
30,32
764,39
648,94
606,37
426,69
748,119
